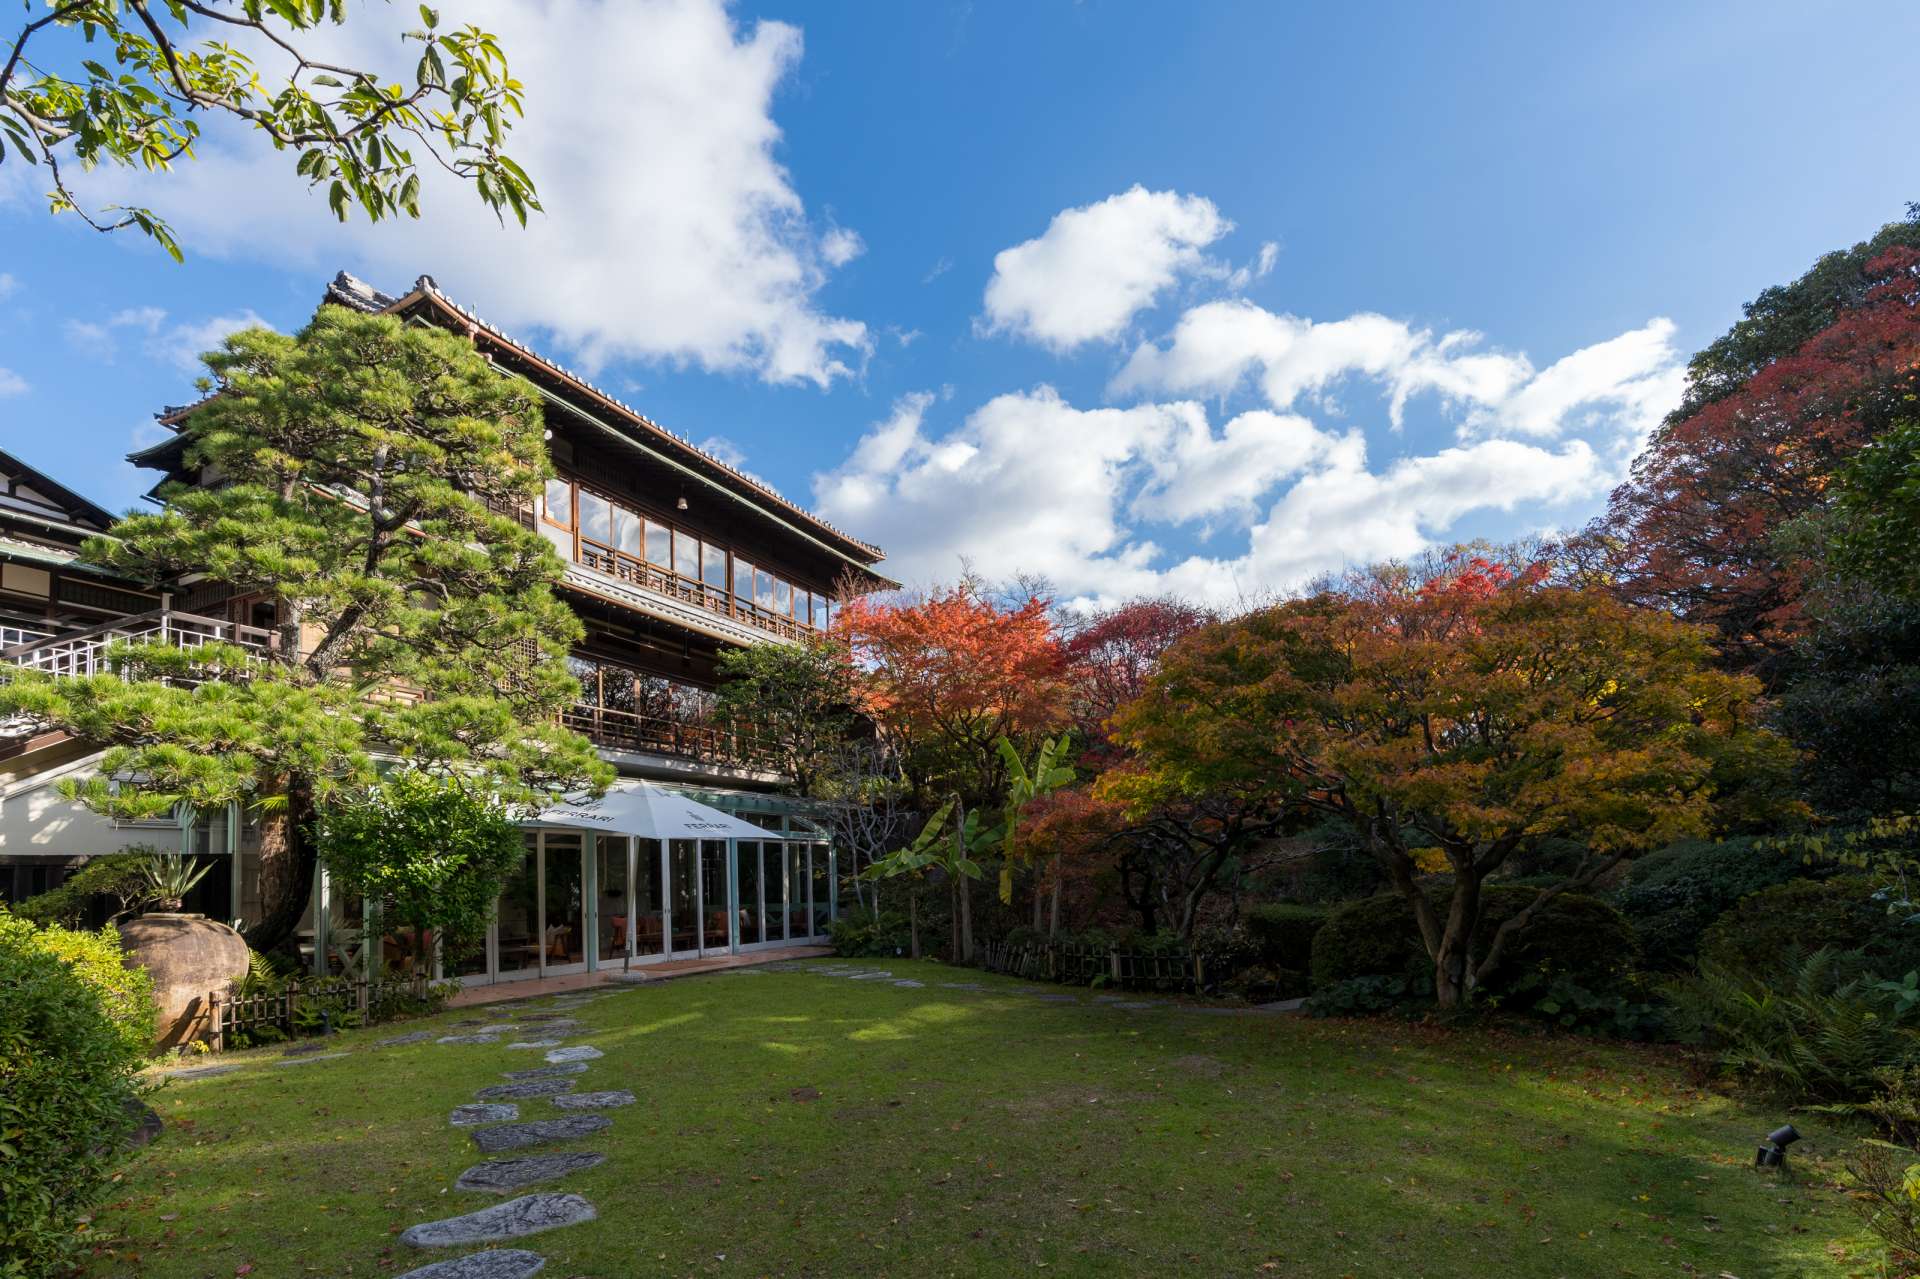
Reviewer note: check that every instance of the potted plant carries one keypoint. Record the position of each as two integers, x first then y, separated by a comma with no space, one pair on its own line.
189,957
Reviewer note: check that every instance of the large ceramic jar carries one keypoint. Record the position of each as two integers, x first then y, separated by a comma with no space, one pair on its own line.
190,958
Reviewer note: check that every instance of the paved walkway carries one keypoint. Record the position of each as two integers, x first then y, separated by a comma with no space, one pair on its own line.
474,996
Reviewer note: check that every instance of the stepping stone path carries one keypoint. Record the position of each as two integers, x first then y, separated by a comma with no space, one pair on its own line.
307,1060
468,1039
505,1263
480,1113
539,1132
417,1037
498,1176
581,1052
594,1100
515,1219
909,983
525,1088
548,1072
536,1043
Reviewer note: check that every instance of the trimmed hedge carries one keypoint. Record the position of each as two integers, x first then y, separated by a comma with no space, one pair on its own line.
1573,935
1771,929
1671,896
1284,933
67,1092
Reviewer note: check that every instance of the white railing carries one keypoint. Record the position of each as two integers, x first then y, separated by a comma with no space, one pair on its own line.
14,635
84,652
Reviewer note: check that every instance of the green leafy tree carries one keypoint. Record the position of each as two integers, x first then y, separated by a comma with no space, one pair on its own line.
797,699
1025,784
434,851
128,82
364,469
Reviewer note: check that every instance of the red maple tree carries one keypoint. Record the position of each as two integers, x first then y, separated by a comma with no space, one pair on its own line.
1694,528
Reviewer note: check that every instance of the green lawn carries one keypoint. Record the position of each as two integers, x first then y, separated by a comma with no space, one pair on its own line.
964,1133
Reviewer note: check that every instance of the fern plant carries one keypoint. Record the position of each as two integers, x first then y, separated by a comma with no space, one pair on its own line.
1813,1037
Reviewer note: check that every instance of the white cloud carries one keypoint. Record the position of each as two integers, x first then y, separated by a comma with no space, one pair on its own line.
182,345
1217,347
12,383
179,345
672,230
1096,266
1095,499
8,285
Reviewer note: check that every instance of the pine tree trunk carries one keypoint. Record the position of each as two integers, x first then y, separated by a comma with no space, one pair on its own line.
288,860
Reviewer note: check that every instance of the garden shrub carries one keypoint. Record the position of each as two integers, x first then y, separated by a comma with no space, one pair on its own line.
1671,896
859,931
95,958
67,1098
1771,930
1284,933
1573,935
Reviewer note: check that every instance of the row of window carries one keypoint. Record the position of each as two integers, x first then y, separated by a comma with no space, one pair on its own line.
584,527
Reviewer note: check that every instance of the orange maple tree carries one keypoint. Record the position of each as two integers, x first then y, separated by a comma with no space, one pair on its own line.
946,675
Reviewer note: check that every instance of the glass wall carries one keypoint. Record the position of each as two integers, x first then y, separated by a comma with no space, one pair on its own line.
563,924
649,901
518,920
798,915
717,933
683,864
614,923
773,856
747,884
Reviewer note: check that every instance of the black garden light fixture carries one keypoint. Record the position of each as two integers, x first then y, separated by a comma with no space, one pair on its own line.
1774,1153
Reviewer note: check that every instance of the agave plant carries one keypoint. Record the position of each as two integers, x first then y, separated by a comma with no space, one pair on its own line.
169,877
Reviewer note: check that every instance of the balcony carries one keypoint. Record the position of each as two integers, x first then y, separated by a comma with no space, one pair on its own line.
84,652
701,741
666,594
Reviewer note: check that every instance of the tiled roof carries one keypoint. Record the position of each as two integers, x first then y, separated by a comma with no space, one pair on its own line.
349,290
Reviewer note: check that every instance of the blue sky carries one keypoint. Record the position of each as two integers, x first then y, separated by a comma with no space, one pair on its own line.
1132,300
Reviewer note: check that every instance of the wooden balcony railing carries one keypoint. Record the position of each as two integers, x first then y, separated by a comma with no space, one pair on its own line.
705,742
626,568
84,652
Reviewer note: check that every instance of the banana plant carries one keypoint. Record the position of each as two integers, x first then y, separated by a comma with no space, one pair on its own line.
1049,772
924,853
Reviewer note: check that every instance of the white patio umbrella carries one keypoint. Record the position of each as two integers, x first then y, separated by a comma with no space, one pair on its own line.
636,808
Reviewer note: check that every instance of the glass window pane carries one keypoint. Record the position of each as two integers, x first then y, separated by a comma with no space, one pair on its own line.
659,544
596,518
610,863
743,580
782,597
823,613
748,870
561,935
763,588
715,934
560,502
519,938
648,938
774,857
626,531
686,555
822,890
713,566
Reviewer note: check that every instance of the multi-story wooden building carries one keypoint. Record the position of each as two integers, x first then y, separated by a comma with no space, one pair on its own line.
672,557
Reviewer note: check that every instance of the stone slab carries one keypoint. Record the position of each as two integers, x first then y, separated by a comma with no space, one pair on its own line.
500,1176
594,1100
525,1088
580,1052
492,1141
417,1037
1136,1005
474,1115
514,1219
535,1043
308,1060
909,983
547,1072
962,985
499,1263
468,1039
